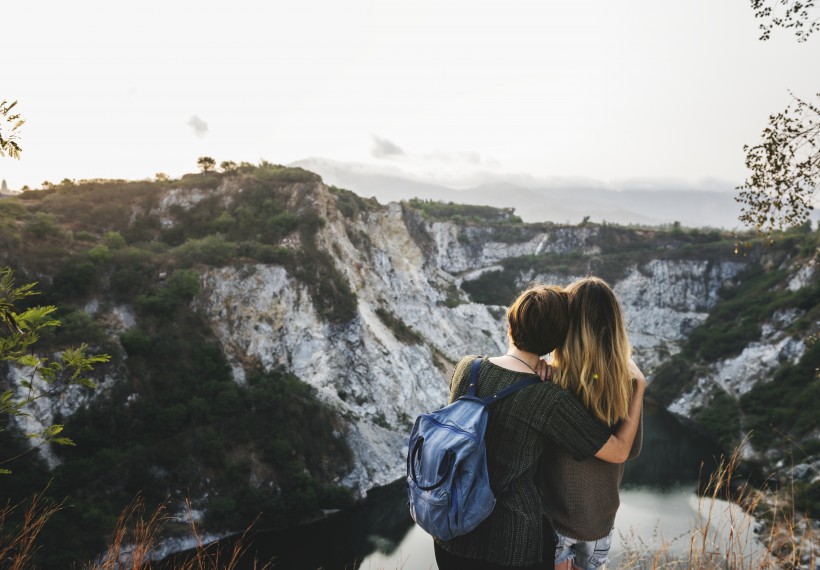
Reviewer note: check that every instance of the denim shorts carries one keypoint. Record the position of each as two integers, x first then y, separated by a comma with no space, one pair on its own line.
585,554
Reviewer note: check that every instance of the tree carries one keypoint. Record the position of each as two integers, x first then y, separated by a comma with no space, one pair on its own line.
19,332
9,124
785,169
206,163
796,15
785,165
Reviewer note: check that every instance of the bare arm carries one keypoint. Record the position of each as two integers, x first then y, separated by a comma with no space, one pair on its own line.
617,449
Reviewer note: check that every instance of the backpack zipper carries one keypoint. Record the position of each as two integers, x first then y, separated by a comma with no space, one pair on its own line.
453,428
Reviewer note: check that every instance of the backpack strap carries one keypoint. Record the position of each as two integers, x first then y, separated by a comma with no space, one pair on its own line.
501,394
473,385
512,389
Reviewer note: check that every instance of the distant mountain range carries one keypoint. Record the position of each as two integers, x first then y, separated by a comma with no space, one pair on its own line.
536,202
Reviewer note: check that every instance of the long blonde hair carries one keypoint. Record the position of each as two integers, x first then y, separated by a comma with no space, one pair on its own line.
593,363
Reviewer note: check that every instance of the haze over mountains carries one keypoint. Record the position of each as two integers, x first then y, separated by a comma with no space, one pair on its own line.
708,204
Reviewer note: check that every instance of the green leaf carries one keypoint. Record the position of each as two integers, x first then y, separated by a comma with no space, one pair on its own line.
28,360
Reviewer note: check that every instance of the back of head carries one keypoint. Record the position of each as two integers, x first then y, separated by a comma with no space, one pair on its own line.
593,362
538,319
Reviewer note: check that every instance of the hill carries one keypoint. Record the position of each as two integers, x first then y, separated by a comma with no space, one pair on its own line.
273,337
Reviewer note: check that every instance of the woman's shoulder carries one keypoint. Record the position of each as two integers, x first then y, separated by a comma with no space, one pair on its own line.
468,359
464,364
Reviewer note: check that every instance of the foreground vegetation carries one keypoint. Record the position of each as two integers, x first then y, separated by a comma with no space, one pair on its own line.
178,425
763,532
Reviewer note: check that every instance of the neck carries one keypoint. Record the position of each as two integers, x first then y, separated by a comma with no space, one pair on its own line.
529,358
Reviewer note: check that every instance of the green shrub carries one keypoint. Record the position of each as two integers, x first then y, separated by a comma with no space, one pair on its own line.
135,342
778,407
211,250
284,174
100,254
330,291
351,204
114,240
175,293
721,418
77,279
807,499
134,272
463,213
42,225
671,379
401,331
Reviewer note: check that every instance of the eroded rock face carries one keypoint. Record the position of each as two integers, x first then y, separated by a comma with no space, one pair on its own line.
663,301
379,383
45,405
736,376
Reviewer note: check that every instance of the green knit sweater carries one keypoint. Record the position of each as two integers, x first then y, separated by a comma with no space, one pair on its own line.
518,430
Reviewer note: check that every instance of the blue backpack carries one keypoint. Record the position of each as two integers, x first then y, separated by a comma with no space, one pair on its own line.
447,480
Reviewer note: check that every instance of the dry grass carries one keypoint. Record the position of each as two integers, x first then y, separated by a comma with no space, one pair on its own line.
19,542
136,538
755,533
761,532
132,545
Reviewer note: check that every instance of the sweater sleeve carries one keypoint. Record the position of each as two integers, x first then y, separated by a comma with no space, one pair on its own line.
575,430
459,373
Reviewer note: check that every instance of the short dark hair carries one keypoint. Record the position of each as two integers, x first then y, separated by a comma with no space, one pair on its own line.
539,319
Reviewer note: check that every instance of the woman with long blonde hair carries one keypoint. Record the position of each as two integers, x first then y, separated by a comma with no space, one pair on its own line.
594,364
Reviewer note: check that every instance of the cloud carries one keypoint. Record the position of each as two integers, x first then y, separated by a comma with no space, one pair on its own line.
467,158
383,148
199,126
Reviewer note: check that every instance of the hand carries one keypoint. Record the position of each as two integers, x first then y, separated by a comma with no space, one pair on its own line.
543,370
637,375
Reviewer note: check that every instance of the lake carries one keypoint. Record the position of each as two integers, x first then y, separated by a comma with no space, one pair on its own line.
659,509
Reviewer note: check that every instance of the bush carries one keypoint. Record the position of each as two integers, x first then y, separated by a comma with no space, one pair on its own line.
211,250
721,418
779,407
114,240
463,213
77,279
135,342
401,331
42,226
671,379
175,293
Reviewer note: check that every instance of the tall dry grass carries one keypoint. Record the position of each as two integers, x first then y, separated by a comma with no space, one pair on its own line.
137,536
759,530
132,545
18,542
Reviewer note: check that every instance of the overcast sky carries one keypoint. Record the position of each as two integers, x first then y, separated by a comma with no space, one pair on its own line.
578,88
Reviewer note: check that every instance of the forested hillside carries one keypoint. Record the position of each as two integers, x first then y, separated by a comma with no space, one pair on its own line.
272,338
